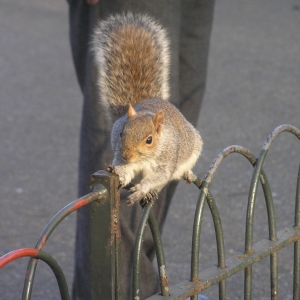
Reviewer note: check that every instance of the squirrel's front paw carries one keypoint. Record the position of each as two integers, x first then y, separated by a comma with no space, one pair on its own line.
114,169
110,168
138,195
151,196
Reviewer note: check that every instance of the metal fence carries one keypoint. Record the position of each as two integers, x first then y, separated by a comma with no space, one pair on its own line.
104,201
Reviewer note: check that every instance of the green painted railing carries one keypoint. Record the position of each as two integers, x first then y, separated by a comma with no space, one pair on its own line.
104,202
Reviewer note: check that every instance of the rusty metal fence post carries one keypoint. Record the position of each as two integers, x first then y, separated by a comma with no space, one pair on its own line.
105,239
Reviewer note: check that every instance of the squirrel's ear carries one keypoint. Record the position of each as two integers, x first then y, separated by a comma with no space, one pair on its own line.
158,120
131,111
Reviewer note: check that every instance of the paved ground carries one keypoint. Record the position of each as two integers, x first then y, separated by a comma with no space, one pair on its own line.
253,86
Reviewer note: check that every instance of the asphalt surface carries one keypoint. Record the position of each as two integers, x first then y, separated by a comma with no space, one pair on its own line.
253,86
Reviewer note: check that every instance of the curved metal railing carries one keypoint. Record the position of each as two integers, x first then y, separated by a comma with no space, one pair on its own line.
36,253
199,280
250,255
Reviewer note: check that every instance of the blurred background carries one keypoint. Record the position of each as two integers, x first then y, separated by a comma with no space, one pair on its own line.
253,86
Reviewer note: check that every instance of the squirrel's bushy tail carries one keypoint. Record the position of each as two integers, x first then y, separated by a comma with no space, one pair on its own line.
132,54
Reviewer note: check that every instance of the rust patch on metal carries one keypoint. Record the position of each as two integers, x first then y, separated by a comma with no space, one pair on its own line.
115,225
78,204
115,214
43,242
164,280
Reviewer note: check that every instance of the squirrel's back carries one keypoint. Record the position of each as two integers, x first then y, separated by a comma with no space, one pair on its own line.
132,54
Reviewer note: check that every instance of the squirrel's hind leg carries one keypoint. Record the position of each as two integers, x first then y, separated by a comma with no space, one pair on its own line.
189,176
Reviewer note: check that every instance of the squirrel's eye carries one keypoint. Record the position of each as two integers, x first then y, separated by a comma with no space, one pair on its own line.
121,133
149,140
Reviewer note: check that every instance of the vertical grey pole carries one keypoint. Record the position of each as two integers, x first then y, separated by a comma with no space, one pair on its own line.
105,239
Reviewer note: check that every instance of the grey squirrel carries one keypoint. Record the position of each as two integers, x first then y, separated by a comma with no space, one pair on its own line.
151,140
